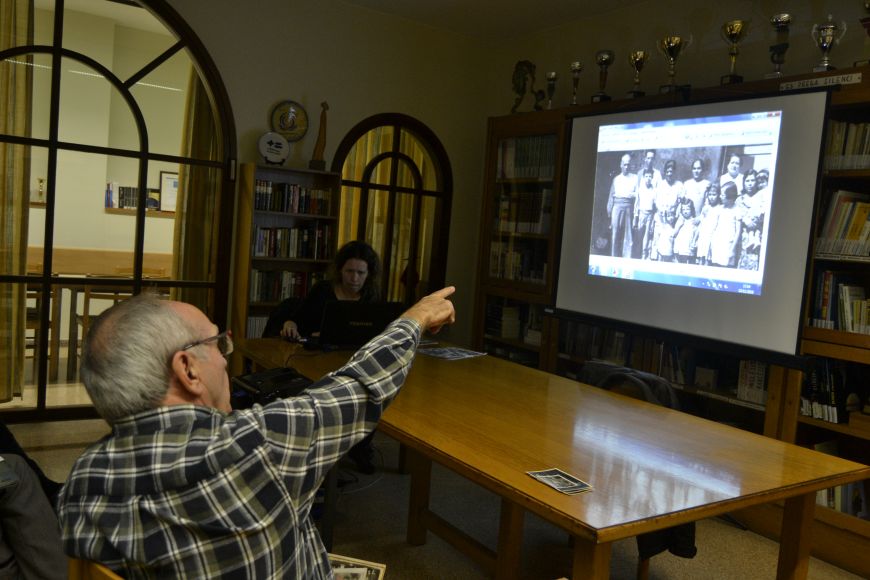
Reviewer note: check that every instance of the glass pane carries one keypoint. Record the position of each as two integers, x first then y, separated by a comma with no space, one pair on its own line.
413,148
92,111
426,240
186,243
406,176
19,338
122,37
21,180
373,143
401,272
89,237
348,220
162,96
376,220
29,80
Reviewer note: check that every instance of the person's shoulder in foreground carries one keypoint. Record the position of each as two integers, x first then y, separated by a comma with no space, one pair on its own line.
183,486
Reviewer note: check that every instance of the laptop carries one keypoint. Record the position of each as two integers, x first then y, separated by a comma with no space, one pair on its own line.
349,324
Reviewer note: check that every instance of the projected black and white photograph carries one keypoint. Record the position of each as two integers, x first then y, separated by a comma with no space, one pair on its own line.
695,207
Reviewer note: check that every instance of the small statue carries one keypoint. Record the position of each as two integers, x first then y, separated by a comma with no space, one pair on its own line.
524,70
317,161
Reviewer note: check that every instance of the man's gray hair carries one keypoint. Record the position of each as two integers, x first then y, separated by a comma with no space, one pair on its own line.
127,353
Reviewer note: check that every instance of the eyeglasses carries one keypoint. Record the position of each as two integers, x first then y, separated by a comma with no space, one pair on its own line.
224,342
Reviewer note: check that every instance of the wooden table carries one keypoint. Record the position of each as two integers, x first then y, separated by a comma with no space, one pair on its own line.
492,421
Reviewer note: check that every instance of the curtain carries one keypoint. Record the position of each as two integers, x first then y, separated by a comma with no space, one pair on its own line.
16,29
197,206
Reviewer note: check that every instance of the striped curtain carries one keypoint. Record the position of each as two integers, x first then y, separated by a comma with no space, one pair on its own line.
16,29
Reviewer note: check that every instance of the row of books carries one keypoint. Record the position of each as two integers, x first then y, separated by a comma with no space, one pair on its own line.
123,196
310,242
525,213
256,325
840,303
849,499
752,381
291,198
527,157
847,145
825,392
846,227
522,262
276,285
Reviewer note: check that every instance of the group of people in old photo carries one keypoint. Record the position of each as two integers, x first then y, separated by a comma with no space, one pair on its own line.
652,214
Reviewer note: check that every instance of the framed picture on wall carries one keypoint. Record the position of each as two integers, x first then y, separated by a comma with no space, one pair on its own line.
168,190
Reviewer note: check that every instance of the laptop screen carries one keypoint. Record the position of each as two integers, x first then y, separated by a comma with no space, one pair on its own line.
351,324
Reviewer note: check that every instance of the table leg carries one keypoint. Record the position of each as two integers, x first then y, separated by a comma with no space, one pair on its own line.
795,541
510,540
591,560
72,336
420,468
55,333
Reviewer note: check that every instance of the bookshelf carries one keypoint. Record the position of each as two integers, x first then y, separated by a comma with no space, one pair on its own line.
285,239
518,234
709,383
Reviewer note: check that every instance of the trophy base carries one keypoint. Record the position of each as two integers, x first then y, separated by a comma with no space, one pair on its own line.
773,75
636,94
600,98
730,79
858,63
317,164
824,68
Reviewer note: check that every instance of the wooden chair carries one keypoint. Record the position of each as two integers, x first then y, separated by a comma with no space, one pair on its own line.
34,296
89,570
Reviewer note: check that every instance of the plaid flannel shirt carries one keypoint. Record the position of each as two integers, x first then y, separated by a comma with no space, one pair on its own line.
188,492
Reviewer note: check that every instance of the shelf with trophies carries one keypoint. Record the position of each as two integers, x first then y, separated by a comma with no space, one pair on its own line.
517,261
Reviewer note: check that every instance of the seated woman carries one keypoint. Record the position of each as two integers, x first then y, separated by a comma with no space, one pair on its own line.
354,276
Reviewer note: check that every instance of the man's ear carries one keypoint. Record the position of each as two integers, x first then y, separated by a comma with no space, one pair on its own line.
185,372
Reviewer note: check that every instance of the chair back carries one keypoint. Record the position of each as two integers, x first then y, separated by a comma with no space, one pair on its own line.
89,570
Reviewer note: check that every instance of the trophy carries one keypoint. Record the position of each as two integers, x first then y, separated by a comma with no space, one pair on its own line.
576,67
780,24
603,58
671,47
826,36
733,32
637,59
551,88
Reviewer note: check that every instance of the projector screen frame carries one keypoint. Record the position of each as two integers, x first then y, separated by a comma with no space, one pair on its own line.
672,110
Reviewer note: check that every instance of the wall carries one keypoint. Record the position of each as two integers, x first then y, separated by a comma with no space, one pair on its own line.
362,63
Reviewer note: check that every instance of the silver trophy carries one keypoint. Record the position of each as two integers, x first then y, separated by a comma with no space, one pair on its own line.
733,32
671,47
576,67
637,58
780,23
603,58
552,77
826,36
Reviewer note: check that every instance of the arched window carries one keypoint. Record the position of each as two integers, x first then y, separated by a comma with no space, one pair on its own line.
396,194
116,153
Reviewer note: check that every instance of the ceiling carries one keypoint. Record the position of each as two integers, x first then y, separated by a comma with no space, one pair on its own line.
493,19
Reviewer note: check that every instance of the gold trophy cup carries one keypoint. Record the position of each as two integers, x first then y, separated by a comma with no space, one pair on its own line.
826,36
733,32
637,58
603,58
671,47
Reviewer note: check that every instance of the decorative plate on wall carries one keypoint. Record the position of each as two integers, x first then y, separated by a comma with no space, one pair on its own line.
290,120
273,148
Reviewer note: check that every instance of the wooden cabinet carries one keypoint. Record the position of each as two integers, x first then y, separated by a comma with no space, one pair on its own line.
516,282
519,233
286,233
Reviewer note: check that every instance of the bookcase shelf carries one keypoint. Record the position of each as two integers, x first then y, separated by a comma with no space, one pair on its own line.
286,234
